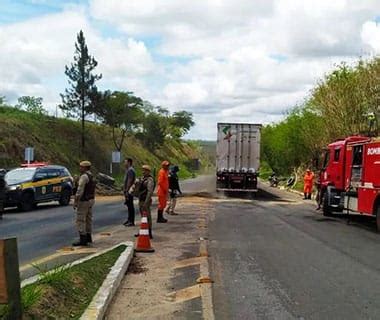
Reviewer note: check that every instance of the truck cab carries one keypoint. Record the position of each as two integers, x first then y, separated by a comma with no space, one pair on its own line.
349,180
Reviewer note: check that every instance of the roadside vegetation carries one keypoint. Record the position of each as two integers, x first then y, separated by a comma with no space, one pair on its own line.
65,293
345,102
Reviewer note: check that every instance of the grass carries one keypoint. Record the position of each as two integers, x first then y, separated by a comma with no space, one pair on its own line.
58,141
65,293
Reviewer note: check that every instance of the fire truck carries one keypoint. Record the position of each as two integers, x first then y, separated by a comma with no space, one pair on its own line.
350,177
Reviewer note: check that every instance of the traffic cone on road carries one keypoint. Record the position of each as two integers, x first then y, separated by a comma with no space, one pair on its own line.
143,240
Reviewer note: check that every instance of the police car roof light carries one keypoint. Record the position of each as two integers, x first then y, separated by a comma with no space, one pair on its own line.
34,164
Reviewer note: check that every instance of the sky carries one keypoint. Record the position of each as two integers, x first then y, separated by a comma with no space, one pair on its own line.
222,60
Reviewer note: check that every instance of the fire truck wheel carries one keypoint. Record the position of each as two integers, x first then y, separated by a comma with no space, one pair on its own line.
325,206
378,218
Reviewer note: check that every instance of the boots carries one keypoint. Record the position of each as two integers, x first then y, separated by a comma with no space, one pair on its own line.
305,196
89,238
160,217
150,233
82,241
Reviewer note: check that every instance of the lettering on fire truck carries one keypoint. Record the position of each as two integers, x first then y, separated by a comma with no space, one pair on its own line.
373,151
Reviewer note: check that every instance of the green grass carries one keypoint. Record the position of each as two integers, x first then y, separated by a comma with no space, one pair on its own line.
58,141
66,293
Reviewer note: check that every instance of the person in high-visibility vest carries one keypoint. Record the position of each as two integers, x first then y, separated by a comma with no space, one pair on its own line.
162,190
308,181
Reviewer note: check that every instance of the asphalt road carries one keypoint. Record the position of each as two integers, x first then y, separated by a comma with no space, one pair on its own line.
43,231
277,258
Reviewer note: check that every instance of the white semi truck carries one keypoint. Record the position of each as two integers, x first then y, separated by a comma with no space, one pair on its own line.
237,157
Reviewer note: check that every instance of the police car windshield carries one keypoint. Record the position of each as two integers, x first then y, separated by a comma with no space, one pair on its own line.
19,175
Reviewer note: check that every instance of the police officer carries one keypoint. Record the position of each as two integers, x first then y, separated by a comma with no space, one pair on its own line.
83,202
145,195
2,192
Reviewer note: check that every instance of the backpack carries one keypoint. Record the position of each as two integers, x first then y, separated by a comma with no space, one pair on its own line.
137,188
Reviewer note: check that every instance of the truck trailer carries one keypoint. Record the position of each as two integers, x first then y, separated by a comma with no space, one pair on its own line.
350,177
237,157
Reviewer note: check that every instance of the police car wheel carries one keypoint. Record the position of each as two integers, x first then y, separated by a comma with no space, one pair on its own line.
27,202
65,197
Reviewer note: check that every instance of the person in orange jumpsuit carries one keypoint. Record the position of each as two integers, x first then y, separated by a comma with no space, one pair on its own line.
162,190
308,180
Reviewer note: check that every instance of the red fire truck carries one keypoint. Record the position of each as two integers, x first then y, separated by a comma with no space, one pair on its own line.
350,177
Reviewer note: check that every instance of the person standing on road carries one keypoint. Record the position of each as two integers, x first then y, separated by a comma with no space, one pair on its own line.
308,180
174,190
83,202
129,180
162,191
146,190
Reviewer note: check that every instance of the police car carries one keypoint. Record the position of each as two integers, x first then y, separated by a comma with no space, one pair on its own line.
36,183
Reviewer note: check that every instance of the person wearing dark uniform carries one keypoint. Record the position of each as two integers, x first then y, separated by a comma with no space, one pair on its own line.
129,180
174,190
145,195
83,203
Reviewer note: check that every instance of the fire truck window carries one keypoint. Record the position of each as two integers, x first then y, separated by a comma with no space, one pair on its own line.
357,156
326,159
336,155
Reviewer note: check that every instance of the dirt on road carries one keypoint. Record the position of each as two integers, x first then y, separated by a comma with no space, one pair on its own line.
163,284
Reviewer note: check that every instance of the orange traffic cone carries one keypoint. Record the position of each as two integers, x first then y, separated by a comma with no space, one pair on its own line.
143,241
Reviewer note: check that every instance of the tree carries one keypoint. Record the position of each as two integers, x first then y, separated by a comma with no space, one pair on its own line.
2,101
121,111
77,101
180,123
31,104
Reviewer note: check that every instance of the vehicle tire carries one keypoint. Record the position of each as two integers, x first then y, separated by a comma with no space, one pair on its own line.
325,206
27,202
290,181
378,217
65,197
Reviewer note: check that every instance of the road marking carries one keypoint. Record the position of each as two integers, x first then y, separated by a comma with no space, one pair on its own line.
40,261
203,252
206,285
189,262
185,294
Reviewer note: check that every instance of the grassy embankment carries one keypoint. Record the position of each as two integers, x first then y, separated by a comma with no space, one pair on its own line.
58,141
66,293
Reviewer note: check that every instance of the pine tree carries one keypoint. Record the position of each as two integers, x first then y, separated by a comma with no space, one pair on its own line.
77,99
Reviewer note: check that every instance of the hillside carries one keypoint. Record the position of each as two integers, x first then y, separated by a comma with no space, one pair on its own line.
58,141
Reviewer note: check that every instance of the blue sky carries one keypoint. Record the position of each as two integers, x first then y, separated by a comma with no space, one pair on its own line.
16,10
243,60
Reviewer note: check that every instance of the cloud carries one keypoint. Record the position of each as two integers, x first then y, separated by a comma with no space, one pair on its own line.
370,34
224,61
34,52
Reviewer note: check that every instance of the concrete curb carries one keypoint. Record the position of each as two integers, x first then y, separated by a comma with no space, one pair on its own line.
99,304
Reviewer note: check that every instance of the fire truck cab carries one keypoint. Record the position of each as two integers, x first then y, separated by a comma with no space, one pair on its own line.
350,177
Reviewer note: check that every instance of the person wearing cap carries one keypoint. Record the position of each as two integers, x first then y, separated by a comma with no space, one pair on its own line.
174,190
145,195
308,180
162,190
84,200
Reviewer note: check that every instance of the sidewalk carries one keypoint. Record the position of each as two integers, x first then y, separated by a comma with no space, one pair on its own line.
163,284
